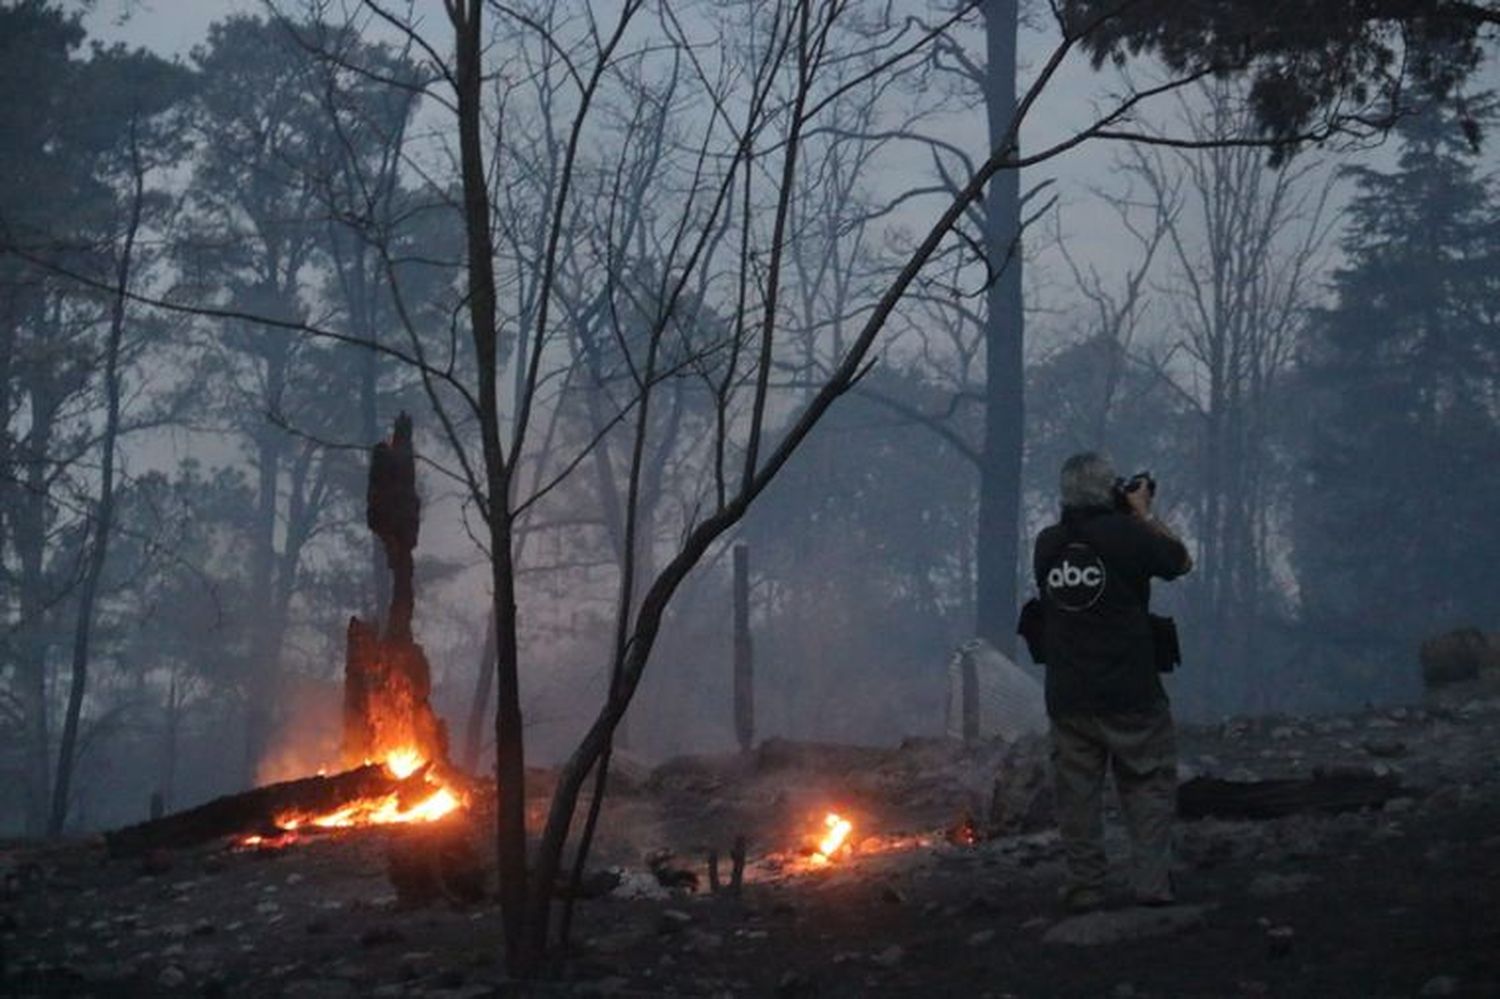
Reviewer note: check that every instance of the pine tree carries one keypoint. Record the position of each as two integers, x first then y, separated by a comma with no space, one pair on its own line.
1396,535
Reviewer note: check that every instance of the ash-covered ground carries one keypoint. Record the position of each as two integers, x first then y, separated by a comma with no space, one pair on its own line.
1398,901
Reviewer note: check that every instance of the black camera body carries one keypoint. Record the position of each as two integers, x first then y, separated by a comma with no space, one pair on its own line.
1124,487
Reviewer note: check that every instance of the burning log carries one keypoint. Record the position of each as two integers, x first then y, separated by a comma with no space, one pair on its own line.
258,810
1202,797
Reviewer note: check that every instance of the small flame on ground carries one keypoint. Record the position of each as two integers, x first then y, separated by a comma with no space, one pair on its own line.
838,831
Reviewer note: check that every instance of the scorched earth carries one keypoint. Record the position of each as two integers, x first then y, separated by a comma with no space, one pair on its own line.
1401,900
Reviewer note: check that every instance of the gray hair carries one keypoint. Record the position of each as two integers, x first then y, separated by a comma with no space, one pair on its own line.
1088,479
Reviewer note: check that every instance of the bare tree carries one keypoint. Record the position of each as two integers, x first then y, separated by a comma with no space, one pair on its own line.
1114,315
1245,254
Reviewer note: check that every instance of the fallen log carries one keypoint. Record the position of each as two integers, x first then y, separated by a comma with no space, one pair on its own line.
1203,797
255,811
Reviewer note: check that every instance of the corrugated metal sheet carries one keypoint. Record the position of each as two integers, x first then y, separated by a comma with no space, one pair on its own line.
1011,703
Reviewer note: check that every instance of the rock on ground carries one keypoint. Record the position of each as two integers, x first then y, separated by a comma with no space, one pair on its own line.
1113,926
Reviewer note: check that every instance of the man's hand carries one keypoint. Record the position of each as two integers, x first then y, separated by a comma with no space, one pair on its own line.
1139,501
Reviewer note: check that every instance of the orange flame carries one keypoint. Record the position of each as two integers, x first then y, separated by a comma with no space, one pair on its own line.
404,762
838,832
385,810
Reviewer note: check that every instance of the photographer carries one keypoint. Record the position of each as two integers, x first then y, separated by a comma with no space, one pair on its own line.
1104,697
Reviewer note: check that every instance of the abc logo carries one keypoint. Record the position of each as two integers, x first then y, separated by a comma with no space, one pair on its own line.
1069,574
1076,581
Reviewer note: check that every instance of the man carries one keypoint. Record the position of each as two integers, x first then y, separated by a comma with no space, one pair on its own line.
1104,697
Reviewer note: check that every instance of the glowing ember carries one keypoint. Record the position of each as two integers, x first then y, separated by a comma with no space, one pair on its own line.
403,762
838,831
273,841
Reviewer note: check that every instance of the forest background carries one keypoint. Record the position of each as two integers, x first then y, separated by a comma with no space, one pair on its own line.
1303,353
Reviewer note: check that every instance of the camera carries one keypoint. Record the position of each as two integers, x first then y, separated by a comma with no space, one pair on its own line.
1124,487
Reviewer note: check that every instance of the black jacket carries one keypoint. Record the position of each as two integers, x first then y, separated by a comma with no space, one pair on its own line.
1093,571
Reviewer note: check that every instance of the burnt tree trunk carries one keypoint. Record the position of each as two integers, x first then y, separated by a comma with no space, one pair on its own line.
393,511
387,680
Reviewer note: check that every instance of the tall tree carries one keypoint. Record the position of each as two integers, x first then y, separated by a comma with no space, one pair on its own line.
998,329
45,156
138,89
998,537
371,221
65,212
255,248
1354,70
1243,252
1404,373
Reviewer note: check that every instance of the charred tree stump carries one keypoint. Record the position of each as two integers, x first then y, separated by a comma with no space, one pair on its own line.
393,511
361,668
387,679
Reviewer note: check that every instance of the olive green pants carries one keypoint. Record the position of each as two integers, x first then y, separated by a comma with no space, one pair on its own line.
1141,749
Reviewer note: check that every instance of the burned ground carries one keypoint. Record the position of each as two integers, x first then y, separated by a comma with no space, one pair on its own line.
1392,902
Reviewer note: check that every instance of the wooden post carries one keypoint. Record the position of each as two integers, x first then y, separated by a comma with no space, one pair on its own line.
737,870
713,872
969,693
744,663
